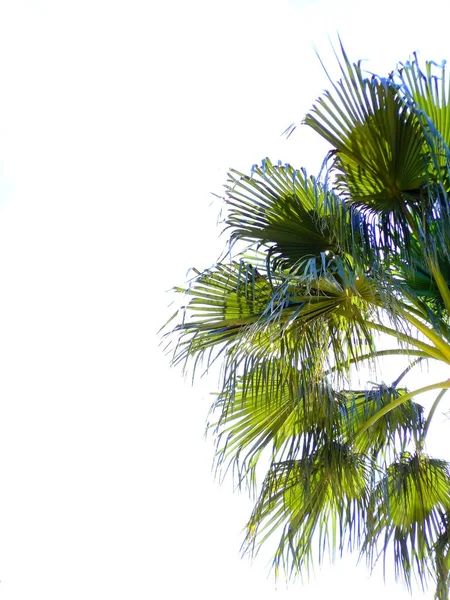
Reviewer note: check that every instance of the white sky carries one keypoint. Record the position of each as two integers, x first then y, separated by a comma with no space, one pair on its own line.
117,120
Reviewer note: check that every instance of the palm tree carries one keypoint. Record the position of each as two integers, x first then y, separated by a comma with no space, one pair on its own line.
326,277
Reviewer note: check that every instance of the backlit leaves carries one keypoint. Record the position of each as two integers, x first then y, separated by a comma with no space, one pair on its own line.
313,501
316,272
411,509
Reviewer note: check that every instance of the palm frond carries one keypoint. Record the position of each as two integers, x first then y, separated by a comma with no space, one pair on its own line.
318,502
411,502
377,140
429,92
223,301
272,408
291,213
393,432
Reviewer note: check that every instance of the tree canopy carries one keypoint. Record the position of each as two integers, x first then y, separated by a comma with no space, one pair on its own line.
326,276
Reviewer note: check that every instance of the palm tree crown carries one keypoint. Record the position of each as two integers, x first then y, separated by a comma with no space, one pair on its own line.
328,270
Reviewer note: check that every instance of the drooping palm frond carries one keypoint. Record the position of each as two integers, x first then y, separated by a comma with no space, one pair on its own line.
310,323
318,502
442,559
323,316
271,409
223,302
410,506
317,319
276,412
392,433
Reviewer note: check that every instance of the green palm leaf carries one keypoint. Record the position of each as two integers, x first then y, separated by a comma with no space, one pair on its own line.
281,207
411,502
271,408
317,502
316,320
392,432
223,301
377,140
430,94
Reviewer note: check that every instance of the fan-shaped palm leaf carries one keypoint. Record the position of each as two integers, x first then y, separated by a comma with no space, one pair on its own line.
377,140
318,503
411,502
271,408
295,216
430,95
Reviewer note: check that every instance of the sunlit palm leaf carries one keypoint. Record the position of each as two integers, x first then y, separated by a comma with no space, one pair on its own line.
318,503
392,432
283,208
273,408
313,321
411,501
427,92
430,92
377,140
223,301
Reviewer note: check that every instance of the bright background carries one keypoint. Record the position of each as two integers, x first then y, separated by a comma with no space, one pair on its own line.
117,121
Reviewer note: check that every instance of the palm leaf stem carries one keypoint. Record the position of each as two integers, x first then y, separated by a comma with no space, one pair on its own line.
414,305
434,337
378,353
435,271
406,371
442,284
433,410
430,351
434,386
419,312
